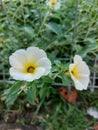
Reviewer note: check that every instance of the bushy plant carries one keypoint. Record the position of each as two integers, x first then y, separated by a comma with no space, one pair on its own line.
62,33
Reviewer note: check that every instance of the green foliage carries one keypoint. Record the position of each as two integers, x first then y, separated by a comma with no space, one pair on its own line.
31,93
25,23
29,32
54,27
13,93
69,118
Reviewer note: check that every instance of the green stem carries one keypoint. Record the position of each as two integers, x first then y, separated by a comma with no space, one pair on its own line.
38,108
43,23
39,10
90,25
23,88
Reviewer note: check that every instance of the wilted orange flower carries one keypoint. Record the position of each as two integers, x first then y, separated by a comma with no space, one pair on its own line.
71,96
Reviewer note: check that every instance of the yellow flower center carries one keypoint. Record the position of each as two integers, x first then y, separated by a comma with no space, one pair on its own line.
75,73
30,69
53,2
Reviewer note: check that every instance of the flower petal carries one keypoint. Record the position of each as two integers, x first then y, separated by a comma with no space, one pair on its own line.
19,75
77,59
79,85
45,63
18,59
57,6
84,79
83,68
39,72
33,57
34,54
54,4
92,111
80,73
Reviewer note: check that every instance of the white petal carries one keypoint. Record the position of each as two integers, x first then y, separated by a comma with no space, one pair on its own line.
92,111
77,59
84,79
18,58
71,66
19,75
81,80
34,54
83,68
57,6
46,64
78,85
39,72
21,59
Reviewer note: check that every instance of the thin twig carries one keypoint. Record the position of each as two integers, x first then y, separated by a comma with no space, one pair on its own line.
5,11
75,28
75,22
39,11
3,74
94,75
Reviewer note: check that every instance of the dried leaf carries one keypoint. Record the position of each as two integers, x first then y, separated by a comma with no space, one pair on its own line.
71,96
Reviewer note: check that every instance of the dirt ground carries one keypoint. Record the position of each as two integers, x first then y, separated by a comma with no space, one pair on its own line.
6,126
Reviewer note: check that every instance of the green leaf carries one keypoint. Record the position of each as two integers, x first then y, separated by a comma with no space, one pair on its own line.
47,79
65,80
58,63
44,91
54,27
13,93
32,94
87,49
29,31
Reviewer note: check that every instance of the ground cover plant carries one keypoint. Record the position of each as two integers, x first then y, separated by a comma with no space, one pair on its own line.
45,46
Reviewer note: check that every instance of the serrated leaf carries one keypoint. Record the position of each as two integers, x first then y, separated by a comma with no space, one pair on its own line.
32,94
13,93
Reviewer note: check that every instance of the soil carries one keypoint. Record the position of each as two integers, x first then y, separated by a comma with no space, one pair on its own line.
9,126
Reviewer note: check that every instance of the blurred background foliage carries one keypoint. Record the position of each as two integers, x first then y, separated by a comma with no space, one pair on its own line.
73,29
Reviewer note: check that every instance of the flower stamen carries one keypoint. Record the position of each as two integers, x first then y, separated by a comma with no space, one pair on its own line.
30,69
53,2
74,72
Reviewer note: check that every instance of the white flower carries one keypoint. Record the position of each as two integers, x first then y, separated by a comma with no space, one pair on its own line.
5,0
92,111
80,73
29,64
55,4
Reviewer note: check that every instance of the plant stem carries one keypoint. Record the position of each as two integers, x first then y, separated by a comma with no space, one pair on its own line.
39,11
5,11
75,29
43,23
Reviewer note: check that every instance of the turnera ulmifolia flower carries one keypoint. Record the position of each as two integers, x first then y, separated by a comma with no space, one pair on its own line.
80,73
54,4
29,64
